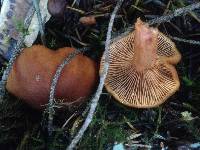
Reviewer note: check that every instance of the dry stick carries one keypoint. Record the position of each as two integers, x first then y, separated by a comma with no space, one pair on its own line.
141,146
39,16
95,99
165,18
16,51
185,40
176,13
53,87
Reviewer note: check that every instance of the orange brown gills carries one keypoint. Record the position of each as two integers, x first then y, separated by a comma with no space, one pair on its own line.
141,72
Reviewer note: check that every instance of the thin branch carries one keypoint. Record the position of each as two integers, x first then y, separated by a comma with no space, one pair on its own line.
177,12
140,145
16,51
40,22
185,40
95,99
162,19
50,106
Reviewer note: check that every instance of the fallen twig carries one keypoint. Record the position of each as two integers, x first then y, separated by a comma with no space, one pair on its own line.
40,22
95,99
158,20
50,106
140,145
185,40
176,13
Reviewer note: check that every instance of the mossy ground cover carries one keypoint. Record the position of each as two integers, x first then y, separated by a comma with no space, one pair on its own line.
174,124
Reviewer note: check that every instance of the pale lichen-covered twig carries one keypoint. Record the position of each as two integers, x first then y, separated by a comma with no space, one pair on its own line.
185,40
50,106
140,146
176,13
34,26
40,22
17,50
9,67
165,18
95,99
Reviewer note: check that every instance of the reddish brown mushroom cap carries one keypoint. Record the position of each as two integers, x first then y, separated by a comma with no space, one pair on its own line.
141,73
167,50
34,69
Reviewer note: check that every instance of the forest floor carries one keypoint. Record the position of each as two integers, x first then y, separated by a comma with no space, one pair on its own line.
173,125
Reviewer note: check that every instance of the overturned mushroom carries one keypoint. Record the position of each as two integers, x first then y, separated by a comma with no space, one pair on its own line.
141,72
34,69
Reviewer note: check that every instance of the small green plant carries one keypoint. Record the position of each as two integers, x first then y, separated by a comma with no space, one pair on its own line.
192,123
52,43
19,24
188,82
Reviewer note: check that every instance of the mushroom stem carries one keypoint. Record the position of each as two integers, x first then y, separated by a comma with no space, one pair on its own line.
145,46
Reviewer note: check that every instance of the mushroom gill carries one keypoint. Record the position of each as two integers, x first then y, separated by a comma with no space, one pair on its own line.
141,72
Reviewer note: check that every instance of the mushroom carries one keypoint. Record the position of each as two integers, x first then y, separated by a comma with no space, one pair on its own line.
33,71
141,72
57,7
